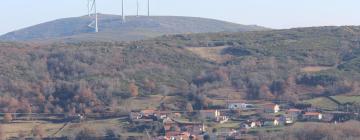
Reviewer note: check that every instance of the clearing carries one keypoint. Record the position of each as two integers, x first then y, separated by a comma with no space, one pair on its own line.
312,69
210,53
60,129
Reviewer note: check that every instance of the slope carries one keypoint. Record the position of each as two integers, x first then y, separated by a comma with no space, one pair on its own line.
112,28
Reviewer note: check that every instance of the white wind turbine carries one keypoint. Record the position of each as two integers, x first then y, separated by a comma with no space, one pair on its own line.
122,11
92,11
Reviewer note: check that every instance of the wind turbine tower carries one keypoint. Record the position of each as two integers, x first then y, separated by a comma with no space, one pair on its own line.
92,11
89,7
148,7
122,11
137,8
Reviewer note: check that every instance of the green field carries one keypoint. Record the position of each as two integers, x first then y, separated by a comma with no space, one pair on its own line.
68,129
347,99
322,103
229,124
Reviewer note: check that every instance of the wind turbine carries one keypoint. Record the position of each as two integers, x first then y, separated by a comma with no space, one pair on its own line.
137,8
122,11
88,6
148,7
91,12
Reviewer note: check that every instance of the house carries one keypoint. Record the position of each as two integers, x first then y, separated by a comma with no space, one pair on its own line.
271,108
286,119
210,114
161,114
143,116
312,116
294,113
239,106
134,116
250,124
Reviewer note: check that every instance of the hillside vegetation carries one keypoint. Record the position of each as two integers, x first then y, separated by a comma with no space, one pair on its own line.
90,76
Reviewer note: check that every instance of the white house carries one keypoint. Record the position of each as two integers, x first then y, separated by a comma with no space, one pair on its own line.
314,116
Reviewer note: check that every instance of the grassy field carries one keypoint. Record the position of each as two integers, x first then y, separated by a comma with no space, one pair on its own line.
69,129
323,103
347,99
278,128
229,124
25,127
140,103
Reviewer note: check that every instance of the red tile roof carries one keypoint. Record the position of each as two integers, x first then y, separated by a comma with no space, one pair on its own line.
294,110
312,114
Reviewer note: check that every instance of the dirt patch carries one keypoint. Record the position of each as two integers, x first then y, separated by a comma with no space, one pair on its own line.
311,69
211,53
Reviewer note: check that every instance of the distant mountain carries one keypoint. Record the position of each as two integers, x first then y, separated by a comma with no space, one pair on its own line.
112,28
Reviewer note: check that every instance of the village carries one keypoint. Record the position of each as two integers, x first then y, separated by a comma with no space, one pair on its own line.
236,120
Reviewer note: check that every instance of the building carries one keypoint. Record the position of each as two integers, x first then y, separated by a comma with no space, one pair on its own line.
239,106
210,114
294,113
312,116
286,119
250,124
271,108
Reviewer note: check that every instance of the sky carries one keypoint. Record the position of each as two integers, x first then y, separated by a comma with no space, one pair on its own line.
278,14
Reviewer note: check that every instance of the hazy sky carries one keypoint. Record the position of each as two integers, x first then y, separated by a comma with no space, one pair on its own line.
17,14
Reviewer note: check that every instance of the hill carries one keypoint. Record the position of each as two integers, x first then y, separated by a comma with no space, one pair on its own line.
112,28
290,65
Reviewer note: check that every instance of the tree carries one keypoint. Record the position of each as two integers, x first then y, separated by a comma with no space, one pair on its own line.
134,90
8,118
189,107
278,88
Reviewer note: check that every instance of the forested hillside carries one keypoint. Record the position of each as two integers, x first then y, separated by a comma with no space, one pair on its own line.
290,65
